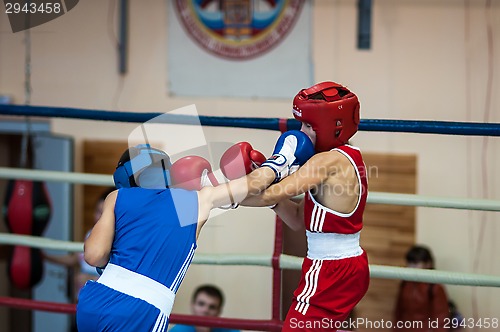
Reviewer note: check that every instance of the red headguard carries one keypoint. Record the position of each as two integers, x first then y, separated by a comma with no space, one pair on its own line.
332,111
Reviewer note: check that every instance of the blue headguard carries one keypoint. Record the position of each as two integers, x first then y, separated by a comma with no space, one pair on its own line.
143,166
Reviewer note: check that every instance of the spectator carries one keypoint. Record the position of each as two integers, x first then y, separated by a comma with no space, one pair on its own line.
207,300
421,306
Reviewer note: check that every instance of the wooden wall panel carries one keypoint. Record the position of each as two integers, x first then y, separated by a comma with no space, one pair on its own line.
99,157
389,231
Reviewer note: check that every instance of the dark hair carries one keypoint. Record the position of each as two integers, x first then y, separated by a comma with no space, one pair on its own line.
210,290
105,194
420,254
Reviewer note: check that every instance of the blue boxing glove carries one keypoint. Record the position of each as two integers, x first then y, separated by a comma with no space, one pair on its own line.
292,150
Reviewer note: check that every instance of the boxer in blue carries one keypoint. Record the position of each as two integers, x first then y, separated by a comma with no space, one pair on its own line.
146,237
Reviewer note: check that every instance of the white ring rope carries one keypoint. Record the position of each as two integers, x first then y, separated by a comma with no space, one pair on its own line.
286,262
57,176
40,242
373,197
433,201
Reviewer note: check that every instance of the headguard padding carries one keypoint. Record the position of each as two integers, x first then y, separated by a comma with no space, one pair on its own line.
332,110
143,166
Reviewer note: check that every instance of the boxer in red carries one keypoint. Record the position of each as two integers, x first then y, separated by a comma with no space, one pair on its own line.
335,274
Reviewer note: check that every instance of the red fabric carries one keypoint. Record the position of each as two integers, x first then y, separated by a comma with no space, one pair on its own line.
278,250
422,303
318,218
327,293
283,125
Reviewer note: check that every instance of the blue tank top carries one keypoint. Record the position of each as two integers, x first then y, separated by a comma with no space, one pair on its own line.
155,233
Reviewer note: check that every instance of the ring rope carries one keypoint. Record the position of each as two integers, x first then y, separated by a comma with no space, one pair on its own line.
402,126
19,303
373,197
58,176
40,242
285,262
230,323
433,201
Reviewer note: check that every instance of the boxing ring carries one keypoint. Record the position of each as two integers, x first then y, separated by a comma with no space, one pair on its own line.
276,260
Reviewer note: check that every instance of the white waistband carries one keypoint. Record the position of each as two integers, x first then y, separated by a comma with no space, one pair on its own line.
332,245
138,286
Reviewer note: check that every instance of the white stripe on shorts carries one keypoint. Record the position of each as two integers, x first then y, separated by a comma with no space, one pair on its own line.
311,278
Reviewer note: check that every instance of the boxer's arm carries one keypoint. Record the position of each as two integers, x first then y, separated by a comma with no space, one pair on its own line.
292,213
311,175
232,192
292,149
66,260
97,246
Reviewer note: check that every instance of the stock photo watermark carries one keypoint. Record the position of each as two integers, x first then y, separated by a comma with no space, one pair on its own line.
26,14
365,323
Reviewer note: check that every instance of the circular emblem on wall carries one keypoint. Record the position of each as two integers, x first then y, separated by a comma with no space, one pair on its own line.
238,29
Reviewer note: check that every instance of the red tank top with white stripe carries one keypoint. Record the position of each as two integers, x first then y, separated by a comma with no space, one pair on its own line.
319,218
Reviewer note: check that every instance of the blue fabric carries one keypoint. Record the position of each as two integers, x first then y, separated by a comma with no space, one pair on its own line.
188,328
152,225
155,235
101,308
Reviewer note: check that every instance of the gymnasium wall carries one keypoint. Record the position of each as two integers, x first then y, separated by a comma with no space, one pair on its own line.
430,60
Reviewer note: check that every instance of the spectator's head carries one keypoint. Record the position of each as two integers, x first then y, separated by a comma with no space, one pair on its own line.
419,257
99,205
207,301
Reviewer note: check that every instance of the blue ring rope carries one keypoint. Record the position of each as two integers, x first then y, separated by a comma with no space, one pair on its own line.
401,126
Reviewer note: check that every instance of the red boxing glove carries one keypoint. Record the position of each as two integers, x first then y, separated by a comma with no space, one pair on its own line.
239,160
192,173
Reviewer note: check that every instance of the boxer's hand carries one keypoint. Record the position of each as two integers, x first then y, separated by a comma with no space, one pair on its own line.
292,150
239,160
192,173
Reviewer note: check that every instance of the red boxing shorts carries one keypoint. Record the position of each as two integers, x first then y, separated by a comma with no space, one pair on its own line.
328,291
